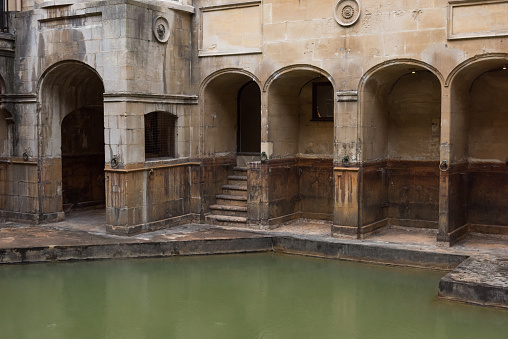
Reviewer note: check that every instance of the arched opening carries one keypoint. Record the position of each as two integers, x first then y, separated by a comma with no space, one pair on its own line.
83,158
249,119
300,115
401,115
299,144
232,117
72,115
479,125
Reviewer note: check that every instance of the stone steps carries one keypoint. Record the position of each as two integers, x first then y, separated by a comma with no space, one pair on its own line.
236,200
239,180
234,190
226,220
231,205
233,211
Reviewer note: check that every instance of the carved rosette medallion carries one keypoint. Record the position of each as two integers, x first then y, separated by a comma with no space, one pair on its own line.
161,29
347,12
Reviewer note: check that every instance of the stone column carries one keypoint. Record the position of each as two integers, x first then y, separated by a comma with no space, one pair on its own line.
444,179
126,208
346,171
453,169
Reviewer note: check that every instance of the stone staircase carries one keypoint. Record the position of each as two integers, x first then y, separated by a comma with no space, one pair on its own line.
231,206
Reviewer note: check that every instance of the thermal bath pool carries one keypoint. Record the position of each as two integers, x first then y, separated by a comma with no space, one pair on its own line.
265,295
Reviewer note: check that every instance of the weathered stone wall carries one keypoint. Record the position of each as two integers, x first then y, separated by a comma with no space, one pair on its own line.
281,190
374,192
150,198
419,84
95,54
316,188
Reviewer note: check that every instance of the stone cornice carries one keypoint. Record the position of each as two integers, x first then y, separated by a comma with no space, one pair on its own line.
151,98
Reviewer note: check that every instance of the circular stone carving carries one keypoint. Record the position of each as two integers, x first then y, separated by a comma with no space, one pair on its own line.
161,29
347,12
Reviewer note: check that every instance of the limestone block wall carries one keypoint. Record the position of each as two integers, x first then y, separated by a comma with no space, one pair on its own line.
418,84
104,56
148,199
396,130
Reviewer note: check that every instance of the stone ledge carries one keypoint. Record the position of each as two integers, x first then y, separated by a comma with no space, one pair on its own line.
134,250
481,281
32,218
152,226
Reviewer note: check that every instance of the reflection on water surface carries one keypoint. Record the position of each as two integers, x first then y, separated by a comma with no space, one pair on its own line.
233,296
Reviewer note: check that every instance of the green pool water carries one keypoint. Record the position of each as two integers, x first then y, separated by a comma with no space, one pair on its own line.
233,296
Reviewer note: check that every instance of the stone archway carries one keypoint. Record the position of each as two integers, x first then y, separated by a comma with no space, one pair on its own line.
478,175
400,117
249,120
298,139
71,144
228,97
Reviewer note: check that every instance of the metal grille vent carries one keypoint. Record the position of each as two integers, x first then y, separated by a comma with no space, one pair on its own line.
160,135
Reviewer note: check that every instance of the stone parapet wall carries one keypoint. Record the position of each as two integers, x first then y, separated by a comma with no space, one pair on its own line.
152,197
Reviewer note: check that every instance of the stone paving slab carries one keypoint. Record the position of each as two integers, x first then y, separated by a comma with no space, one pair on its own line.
30,244
37,236
478,280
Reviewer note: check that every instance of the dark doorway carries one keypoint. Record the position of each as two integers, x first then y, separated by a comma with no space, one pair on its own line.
249,119
83,158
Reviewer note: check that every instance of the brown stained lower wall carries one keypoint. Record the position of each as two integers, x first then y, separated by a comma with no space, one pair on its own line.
413,193
169,192
346,202
457,196
488,195
20,187
122,198
30,191
316,188
280,190
374,193
405,193
83,179
155,196
50,185
257,193
214,174
4,185
283,189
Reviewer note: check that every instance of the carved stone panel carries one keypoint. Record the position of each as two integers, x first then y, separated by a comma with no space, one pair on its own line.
161,29
347,12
